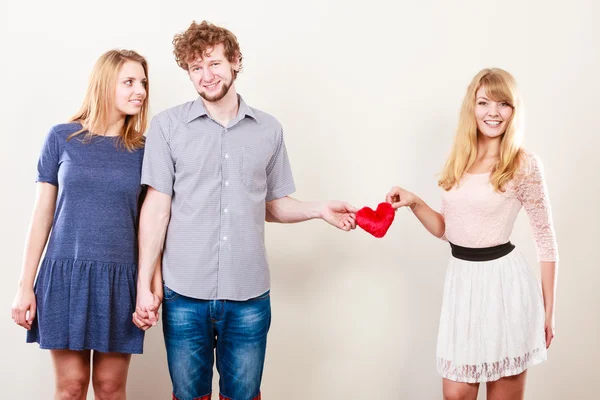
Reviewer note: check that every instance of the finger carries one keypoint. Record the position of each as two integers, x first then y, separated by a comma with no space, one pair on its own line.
351,222
134,320
549,337
391,197
32,311
138,323
156,303
350,207
399,204
20,318
27,319
344,226
143,326
143,314
393,191
145,321
152,317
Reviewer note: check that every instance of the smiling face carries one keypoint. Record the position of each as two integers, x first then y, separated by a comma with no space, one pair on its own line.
130,90
213,75
492,116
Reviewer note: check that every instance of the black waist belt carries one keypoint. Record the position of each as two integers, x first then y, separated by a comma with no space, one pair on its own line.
481,254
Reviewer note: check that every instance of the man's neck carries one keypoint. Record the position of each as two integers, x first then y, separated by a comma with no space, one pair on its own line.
224,110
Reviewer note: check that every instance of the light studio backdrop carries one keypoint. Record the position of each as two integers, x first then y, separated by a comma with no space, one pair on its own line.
368,93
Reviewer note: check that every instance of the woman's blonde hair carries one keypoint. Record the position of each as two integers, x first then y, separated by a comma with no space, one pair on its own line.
99,100
499,86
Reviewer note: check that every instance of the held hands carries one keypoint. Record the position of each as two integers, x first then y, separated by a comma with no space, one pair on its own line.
23,308
399,197
146,310
339,214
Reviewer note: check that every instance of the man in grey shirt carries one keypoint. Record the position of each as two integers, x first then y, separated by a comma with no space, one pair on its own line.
216,169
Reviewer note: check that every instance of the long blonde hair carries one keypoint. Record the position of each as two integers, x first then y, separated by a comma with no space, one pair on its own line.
499,86
99,100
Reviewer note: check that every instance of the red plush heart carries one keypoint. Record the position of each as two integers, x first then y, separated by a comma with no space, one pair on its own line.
376,222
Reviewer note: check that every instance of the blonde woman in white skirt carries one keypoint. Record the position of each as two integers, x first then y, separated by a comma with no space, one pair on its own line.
495,321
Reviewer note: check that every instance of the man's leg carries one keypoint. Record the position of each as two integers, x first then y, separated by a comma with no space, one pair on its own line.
190,341
241,347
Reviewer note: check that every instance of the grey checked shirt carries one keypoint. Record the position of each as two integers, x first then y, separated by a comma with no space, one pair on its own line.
219,179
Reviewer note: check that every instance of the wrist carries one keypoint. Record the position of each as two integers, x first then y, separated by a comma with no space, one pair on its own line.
318,210
25,286
143,286
415,204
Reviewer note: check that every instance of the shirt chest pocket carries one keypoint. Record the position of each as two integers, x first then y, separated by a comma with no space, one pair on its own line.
254,169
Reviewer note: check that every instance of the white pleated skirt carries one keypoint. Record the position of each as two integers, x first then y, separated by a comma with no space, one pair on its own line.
492,320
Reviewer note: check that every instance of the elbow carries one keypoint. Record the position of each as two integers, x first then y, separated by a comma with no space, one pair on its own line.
271,212
441,229
269,217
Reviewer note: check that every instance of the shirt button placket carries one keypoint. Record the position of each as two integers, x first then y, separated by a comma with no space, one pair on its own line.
224,226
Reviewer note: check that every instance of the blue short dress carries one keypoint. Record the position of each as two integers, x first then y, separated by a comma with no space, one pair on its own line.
86,286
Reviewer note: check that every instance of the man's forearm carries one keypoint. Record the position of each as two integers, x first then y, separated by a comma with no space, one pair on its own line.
154,219
151,239
289,210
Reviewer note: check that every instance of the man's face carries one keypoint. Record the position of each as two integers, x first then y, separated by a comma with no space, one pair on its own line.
212,74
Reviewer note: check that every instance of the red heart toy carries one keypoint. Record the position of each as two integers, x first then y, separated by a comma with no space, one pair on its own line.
376,222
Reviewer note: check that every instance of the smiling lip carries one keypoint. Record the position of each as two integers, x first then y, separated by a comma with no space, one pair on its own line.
493,124
211,86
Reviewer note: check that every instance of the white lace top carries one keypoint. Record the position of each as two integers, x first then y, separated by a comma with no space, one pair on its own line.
478,216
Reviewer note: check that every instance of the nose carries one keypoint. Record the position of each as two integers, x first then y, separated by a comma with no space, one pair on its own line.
140,89
493,111
208,75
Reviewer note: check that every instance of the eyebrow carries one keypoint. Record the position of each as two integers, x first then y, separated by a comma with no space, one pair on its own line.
127,78
483,98
209,61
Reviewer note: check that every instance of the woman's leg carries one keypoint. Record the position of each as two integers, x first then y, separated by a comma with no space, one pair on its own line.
109,376
72,373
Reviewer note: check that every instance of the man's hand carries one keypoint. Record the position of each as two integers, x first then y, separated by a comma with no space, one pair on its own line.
146,310
339,214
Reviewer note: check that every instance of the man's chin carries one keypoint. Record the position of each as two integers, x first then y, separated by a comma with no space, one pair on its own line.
215,97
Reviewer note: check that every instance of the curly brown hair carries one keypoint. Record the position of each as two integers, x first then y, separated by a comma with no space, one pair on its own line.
194,42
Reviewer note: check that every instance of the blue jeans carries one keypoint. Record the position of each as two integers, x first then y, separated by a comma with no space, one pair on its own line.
194,328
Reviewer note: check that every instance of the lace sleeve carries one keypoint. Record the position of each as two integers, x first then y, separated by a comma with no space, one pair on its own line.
532,192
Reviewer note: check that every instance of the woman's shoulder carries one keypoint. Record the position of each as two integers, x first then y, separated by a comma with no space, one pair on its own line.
529,163
64,130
